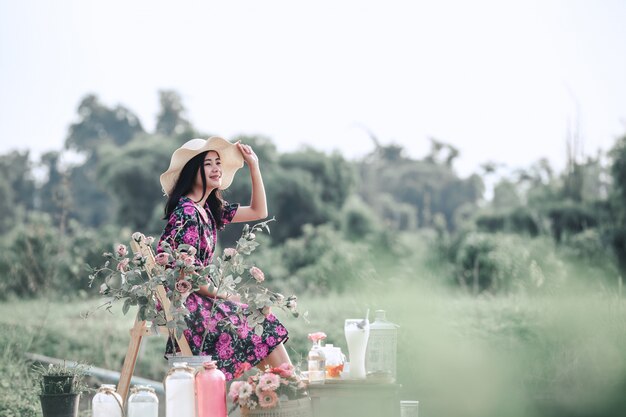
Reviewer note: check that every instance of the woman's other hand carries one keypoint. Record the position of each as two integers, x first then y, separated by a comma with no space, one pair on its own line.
248,154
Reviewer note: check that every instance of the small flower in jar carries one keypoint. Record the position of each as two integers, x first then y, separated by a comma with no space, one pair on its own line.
251,236
285,370
183,286
122,266
257,274
121,250
230,252
245,391
235,387
268,399
268,381
162,259
150,240
317,336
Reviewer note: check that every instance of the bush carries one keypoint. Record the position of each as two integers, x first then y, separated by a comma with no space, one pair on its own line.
319,261
505,263
36,257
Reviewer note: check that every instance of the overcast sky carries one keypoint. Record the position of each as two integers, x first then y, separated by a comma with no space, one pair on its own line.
500,80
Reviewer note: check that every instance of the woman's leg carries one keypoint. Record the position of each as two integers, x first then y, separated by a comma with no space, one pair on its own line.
276,358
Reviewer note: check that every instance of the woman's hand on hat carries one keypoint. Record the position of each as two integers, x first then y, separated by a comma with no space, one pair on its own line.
248,154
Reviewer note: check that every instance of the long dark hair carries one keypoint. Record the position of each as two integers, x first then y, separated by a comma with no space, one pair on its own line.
185,183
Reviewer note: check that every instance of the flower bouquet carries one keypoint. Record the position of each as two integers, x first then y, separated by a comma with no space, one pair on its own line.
264,392
134,280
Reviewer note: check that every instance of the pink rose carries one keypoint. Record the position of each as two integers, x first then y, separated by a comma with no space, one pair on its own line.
317,336
121,250
162,258
183,286
122,266
257,274
187,259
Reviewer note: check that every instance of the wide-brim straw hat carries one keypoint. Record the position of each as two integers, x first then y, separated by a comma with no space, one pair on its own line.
230,157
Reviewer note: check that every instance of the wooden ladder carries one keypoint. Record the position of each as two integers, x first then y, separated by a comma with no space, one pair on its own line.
140,329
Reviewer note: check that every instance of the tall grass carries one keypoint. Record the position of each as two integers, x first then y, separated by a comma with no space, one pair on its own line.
555,351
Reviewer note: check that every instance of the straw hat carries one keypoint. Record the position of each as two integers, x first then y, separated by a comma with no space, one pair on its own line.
230,157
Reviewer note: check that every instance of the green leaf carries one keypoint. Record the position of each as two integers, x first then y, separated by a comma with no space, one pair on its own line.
126,306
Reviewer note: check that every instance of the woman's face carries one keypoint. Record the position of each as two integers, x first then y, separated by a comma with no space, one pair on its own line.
212,171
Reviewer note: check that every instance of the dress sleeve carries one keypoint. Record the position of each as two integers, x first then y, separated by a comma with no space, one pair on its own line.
229,212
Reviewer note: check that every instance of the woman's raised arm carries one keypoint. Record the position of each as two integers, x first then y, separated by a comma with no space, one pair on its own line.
257,209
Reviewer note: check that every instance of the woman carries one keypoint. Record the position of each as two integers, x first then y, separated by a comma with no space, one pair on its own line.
198,171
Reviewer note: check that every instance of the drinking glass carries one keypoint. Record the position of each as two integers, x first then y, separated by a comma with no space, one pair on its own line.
357,332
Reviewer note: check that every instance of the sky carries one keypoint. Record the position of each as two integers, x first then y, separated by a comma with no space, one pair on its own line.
502,81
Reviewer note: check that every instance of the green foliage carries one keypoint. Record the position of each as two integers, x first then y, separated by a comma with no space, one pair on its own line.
430,186
99,124
568,218
16,172
321,261
332,173
18,392
358,221
171,120
36,258
504,263
520,219
62,378
130,173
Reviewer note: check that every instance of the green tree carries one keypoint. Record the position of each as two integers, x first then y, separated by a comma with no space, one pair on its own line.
618,201
171,121
130,174
98,124
16,168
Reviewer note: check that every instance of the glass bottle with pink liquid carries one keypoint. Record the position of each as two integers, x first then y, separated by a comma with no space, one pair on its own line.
211,391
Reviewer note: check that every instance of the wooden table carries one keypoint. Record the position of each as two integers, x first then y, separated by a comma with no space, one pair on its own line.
355,398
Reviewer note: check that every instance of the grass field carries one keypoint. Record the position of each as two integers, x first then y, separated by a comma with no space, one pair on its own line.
558,354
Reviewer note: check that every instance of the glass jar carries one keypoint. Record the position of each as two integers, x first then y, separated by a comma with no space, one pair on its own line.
143,402
317,364
335,360
107,402
382,346
180,399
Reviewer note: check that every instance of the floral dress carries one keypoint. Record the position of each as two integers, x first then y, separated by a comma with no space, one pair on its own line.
235,351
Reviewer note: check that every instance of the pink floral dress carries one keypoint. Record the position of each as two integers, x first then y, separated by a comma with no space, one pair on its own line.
235,347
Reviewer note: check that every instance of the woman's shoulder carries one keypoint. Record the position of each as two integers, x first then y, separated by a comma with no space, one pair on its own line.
184,210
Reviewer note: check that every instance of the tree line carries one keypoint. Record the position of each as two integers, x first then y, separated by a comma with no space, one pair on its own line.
332,213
